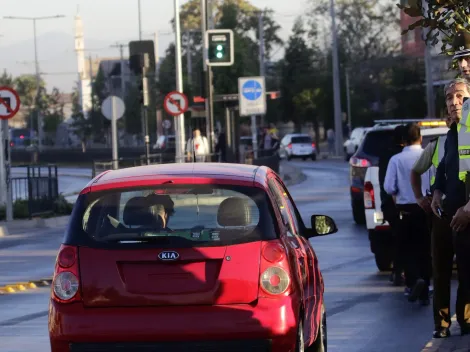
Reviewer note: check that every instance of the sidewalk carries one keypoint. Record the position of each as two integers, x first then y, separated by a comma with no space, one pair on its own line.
455,343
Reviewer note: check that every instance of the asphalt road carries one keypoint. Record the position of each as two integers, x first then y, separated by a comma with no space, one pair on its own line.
365,312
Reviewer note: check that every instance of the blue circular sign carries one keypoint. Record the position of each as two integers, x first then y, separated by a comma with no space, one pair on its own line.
252,90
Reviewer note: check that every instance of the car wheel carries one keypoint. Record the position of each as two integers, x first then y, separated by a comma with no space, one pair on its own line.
383,260
304,158
320,343
289,157
359,215
314,157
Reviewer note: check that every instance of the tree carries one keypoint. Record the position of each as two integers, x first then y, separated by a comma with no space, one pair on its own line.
297,73
442,18
54,114
82,127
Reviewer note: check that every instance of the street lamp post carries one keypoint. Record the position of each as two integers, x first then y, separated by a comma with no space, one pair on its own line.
36,65
336,84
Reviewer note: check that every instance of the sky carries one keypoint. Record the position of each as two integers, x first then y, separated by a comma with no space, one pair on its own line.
104,24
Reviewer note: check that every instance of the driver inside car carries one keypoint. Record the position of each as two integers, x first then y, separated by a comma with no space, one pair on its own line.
162,208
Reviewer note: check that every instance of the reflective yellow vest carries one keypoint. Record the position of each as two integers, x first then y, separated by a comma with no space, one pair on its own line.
437,156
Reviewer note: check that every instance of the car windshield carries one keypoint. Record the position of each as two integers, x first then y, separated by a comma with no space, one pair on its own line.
377,141
301,139
180,216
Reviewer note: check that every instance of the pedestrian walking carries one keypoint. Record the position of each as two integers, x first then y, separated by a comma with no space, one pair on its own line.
197,148
452,179
442,251
414,233
388,207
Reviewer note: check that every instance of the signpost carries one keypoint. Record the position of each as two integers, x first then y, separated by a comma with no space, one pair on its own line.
176,104
166,124
113,109
252,102
9,106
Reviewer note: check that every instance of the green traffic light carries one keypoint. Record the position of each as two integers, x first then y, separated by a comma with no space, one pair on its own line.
220,47
219,55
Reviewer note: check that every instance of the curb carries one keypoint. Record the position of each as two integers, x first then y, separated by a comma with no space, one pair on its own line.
24,286
38,223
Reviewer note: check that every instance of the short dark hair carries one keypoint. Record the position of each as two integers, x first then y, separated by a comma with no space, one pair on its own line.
398,134
412,134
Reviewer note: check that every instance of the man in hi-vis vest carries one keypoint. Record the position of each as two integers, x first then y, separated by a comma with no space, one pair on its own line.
451,180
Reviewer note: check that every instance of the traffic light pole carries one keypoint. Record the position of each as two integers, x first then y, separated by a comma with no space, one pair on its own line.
208,94
145,86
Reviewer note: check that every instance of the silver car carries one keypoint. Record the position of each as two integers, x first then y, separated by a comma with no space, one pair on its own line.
297,145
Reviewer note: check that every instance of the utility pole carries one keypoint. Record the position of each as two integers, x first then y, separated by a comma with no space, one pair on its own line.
37,74
188,57
145,86
336,84
140,20
179,120
261,50
348,97
206,21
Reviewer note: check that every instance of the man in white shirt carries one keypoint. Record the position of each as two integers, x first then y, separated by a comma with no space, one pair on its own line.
415,237
198,147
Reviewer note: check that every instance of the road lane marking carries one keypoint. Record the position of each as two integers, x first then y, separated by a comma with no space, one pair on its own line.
23,318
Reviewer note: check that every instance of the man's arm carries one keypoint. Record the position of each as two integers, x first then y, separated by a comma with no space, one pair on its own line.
422,165
439,184
390,183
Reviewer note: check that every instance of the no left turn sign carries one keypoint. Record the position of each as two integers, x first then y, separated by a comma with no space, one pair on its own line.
9,103
175,103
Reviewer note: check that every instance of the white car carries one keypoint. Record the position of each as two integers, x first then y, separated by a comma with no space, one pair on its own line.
380,236
352,144
297,145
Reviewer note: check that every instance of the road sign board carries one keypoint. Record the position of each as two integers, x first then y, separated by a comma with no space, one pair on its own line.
9,103
175,103
252,96
107,107
166,124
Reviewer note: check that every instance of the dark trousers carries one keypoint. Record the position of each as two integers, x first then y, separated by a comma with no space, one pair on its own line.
462,252
391,215
442,262
415,243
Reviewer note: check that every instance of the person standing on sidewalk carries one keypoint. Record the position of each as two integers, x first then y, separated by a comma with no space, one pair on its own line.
388,207
413,224
455,208
442,250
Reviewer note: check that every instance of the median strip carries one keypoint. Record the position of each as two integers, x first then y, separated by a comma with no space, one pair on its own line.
24,286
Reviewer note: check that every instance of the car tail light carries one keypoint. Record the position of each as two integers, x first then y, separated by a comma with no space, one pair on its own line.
66,284
289,146
275,278
369,198
357,162
313,145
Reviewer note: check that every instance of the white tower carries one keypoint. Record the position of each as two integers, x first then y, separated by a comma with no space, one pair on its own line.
84,79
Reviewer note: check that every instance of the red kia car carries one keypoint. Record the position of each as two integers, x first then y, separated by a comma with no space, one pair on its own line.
188,257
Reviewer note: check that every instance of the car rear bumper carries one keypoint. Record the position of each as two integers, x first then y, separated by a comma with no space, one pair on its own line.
374,220
269,325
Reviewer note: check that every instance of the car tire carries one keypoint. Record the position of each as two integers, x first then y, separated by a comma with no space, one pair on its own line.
359,215
289,158
314,157
304,158
321,343
383,260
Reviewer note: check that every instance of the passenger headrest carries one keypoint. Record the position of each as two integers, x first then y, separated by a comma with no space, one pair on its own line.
234,211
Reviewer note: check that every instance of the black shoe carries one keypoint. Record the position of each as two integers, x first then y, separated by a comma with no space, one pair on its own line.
464,330
441,333
417,290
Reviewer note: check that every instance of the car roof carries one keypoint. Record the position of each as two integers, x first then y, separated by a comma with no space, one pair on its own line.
151,173
434,131
298,135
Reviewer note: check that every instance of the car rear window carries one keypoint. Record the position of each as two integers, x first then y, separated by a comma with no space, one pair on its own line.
301,139
376,142
182,216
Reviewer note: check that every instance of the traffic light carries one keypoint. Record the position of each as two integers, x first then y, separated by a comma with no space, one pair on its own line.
219,47
137,49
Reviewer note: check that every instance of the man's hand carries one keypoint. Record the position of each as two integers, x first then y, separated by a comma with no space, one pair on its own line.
436,202
425,204
460,220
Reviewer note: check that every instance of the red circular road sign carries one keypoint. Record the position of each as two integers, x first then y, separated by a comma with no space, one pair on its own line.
176,103
9,103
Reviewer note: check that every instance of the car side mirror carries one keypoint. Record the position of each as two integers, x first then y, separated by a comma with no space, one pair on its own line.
322,225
